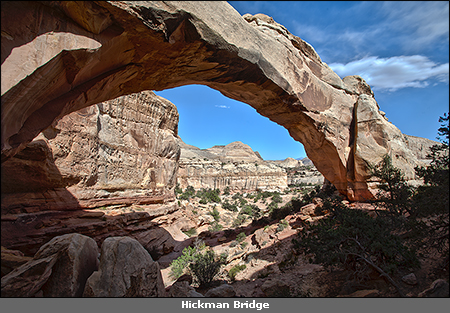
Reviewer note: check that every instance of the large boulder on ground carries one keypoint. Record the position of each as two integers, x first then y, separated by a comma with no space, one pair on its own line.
60,268
126,270
223,291
438,289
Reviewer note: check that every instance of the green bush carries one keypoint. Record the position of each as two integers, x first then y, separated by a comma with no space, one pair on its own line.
238,220
353,240
251,210
191,232
240,237
215,227
187,194
178,189
283,224
276,198
181,264
215,214
208,195
234,270
206,266
228,206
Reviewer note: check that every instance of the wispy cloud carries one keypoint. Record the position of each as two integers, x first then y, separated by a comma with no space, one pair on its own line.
222,106
395,72
378,28
422,22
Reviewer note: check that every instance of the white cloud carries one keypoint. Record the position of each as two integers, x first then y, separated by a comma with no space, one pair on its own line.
395,72
222,106
400,27
424,23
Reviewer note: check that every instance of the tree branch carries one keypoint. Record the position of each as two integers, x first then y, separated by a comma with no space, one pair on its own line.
382,273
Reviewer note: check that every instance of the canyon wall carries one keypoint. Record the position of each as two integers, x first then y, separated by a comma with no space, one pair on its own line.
121,151
106,170
235,165
120,48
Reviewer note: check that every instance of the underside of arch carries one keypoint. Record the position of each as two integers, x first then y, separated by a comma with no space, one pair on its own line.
160,45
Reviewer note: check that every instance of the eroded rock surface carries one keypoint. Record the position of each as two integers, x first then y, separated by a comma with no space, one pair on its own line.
122,151
59,269
235,166
121,154
159,45
126,270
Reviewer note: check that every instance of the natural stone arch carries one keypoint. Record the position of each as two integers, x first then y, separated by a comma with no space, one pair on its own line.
159,45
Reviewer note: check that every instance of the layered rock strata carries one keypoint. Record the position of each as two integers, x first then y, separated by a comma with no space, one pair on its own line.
135,46
119,152
235,165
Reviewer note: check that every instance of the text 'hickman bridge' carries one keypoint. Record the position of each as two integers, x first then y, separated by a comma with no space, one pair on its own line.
224,305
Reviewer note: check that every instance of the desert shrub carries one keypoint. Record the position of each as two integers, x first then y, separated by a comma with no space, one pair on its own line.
178,190
238,220
226,192
208,195
292,206
206,266
234,270
283,224
228,206
181,264
215,214
276,198
353,240
251,210
191,232
236,196
188,193
240,237
215,227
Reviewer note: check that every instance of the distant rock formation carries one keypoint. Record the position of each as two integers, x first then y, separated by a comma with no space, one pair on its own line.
104,50
235,165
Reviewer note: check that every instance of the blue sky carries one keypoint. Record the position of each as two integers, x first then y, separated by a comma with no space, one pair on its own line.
400,48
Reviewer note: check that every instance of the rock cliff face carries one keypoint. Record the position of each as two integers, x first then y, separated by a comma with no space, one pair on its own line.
121,154
235,165
126,47
121,151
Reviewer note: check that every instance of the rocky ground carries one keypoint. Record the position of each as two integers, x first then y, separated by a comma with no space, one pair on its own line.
272,267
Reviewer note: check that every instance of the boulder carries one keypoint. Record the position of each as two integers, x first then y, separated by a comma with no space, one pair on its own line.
364,294
223,291
182,289
410,279
275,288
12,259
438,289
60,268
126,269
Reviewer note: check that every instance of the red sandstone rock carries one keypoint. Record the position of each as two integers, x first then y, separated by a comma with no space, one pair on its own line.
161,45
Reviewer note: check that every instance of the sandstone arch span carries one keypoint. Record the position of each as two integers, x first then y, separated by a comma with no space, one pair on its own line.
159,45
